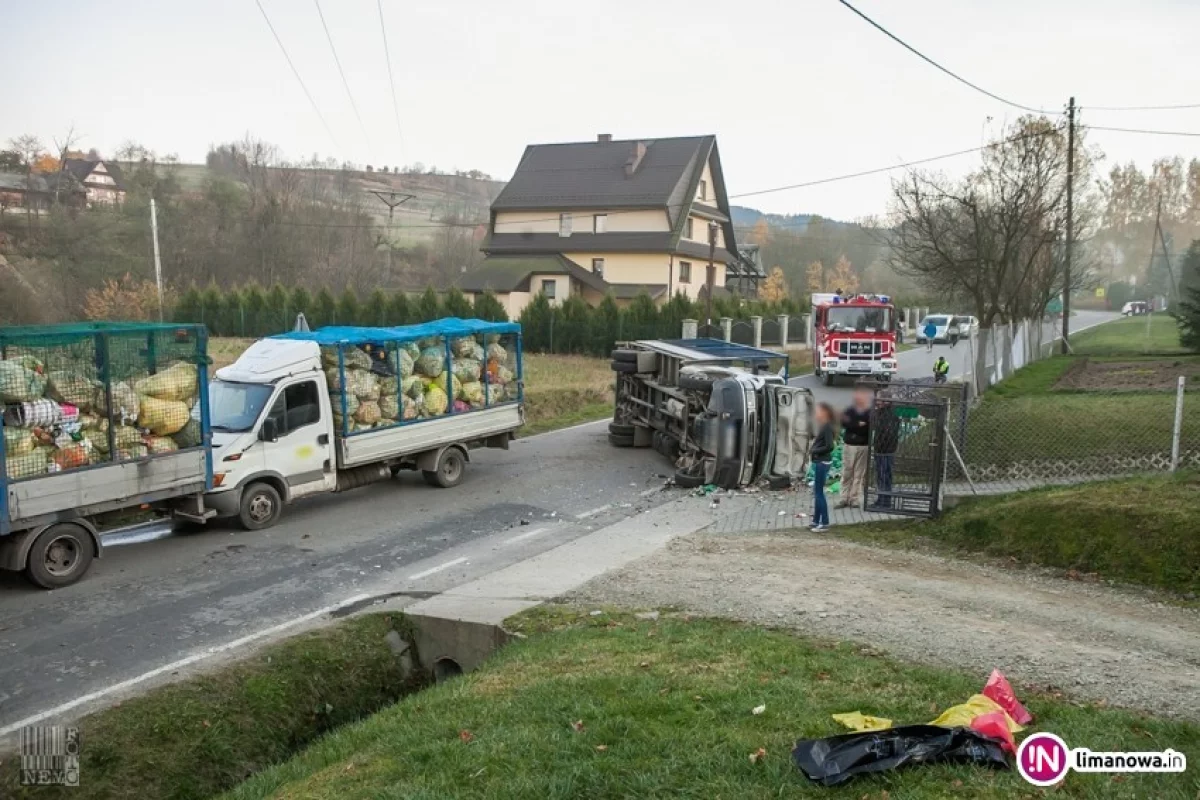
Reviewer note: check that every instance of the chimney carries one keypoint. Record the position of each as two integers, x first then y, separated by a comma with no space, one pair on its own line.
604,138
635,160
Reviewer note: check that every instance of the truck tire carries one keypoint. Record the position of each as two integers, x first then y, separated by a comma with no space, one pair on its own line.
450,469
697,381
625,367
260,508
620,429
827,378
625,355
59,556
686,481
617,440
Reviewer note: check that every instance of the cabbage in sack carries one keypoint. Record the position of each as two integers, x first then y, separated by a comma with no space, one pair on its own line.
472,392
455,385
29,465
389,406
496,353
436,402
18,442
126,403
19,384
72,387
177,383
432,362
163,417
368,413
413,387
466,369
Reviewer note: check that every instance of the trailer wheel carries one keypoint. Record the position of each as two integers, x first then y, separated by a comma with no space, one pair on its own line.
59,556
450,469
625,367
261,507
686,481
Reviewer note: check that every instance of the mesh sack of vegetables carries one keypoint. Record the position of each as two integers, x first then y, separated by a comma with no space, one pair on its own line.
495,394
364,385
126,436
133,452
19,384
411,409
18,442
75,388
436,402
432,362
496,353
189,436
72,456
177,383
368,413
389,407
413,387
99,440
464,347
413,349
498,373
160,444
466,369
472,392
126,403
455,390
163,417
406,363
27,465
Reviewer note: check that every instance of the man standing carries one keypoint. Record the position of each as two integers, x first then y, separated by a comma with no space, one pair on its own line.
952,331
930,331
856,428
886,427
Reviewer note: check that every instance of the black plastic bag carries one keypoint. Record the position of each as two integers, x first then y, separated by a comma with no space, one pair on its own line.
837,759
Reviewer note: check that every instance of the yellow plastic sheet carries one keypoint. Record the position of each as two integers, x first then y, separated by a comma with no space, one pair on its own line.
962,714
857,721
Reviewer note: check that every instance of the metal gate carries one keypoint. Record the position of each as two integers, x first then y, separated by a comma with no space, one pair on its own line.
908,451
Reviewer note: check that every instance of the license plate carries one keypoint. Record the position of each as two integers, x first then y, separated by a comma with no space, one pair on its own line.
860,367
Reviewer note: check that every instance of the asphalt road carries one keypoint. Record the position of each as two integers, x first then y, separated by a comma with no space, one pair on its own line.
918,363
148,605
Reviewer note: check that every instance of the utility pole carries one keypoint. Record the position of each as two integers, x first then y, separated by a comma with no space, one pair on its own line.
157,260
711,277
1066,298
391,200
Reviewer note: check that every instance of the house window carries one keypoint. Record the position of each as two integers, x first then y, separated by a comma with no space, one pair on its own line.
690,231
600,223
703,190
598,266
685,272
564,224
550,289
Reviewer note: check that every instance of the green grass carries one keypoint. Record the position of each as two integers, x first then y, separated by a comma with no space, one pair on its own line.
203,735
1138,531
561,391
664,710
1128,336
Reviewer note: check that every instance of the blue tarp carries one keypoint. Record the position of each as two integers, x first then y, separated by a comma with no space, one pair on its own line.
449,326
719,349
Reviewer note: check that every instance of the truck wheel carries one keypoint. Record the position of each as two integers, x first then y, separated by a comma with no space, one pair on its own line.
686,481
827,378
625,355
60,555
621,430
626,367
449,470
261,507
697,381
617,440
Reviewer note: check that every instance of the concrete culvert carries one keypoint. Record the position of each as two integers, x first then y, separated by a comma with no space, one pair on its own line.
446,668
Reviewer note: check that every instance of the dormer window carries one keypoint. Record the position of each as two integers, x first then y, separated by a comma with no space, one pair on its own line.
703,191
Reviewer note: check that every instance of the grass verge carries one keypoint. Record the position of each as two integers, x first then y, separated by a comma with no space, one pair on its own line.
612,706
1139,531
1130,335
561,391
196,738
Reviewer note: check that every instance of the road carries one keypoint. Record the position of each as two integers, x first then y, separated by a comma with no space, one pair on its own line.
918,363
144,606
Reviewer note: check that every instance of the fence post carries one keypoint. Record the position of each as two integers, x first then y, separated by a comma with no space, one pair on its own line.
1178,432
756,323
808,329
689,329
783,331
727,328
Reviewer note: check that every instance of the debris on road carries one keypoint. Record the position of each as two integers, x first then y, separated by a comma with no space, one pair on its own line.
758,710
859,722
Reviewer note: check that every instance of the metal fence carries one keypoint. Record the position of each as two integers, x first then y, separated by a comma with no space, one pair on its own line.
771,332
1036,418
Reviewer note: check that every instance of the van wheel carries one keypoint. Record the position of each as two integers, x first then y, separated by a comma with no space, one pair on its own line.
827,378
261,507
60,555
450,469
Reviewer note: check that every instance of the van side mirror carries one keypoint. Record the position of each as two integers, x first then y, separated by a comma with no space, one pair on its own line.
269,432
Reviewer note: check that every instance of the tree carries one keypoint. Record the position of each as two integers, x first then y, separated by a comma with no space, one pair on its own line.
489,308
255,311
398,310
324,310
300,303
46,164
843,277
537,324
126,299
1187,314
10,161
188,309
277,314
347,309
374,312
761,232
428,306
456,304
774,288
210,309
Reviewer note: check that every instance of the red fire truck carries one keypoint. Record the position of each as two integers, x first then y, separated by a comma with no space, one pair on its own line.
853,336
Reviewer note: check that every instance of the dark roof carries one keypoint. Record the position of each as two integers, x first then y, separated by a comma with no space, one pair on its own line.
39,183
82,168
709,212
628,291
511,273
592,174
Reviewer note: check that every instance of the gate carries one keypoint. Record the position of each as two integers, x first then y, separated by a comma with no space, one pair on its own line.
908,451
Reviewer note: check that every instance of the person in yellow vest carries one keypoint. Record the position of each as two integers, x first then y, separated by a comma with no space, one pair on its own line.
941,370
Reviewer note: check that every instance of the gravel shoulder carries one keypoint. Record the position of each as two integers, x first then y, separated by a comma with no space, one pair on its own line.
1091,641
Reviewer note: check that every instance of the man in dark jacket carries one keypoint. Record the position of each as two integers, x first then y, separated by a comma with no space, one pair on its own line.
856,428
886,428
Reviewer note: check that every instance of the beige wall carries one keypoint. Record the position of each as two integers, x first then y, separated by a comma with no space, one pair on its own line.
619,221
710,198
700,232
650,268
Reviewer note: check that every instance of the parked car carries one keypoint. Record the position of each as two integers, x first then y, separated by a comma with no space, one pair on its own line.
1135,308
942,324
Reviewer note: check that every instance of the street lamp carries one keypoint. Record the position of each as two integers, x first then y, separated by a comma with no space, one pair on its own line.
713,228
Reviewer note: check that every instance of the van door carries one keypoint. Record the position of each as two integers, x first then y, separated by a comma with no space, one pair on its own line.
303,451
793,430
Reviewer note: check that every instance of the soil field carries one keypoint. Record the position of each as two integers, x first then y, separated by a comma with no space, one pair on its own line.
1130,375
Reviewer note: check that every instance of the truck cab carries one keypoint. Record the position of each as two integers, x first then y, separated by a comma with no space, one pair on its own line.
853,336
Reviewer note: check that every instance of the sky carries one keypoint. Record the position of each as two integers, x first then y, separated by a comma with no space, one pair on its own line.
795,90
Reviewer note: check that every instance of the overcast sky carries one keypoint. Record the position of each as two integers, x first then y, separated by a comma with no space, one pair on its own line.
795,90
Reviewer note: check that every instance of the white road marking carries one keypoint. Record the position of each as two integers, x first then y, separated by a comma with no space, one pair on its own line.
594,512
175,665
526,535
438,568
564,430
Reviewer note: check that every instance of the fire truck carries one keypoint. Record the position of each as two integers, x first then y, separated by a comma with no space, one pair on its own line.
853,336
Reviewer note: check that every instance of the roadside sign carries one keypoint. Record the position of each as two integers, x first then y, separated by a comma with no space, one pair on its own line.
1100,291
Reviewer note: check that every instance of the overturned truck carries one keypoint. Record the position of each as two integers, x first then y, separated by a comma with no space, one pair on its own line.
722,412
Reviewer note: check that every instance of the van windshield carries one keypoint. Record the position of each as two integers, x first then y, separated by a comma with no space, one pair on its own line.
863,320
235,407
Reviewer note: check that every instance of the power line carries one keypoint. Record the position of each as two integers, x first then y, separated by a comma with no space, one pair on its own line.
296,72
391,80
1142,108
342,73
933,63
1140,130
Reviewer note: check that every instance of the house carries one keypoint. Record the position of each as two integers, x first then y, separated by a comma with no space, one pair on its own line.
38,191
609,216
102,180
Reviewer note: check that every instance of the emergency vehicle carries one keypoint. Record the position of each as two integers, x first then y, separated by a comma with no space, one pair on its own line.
854,336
